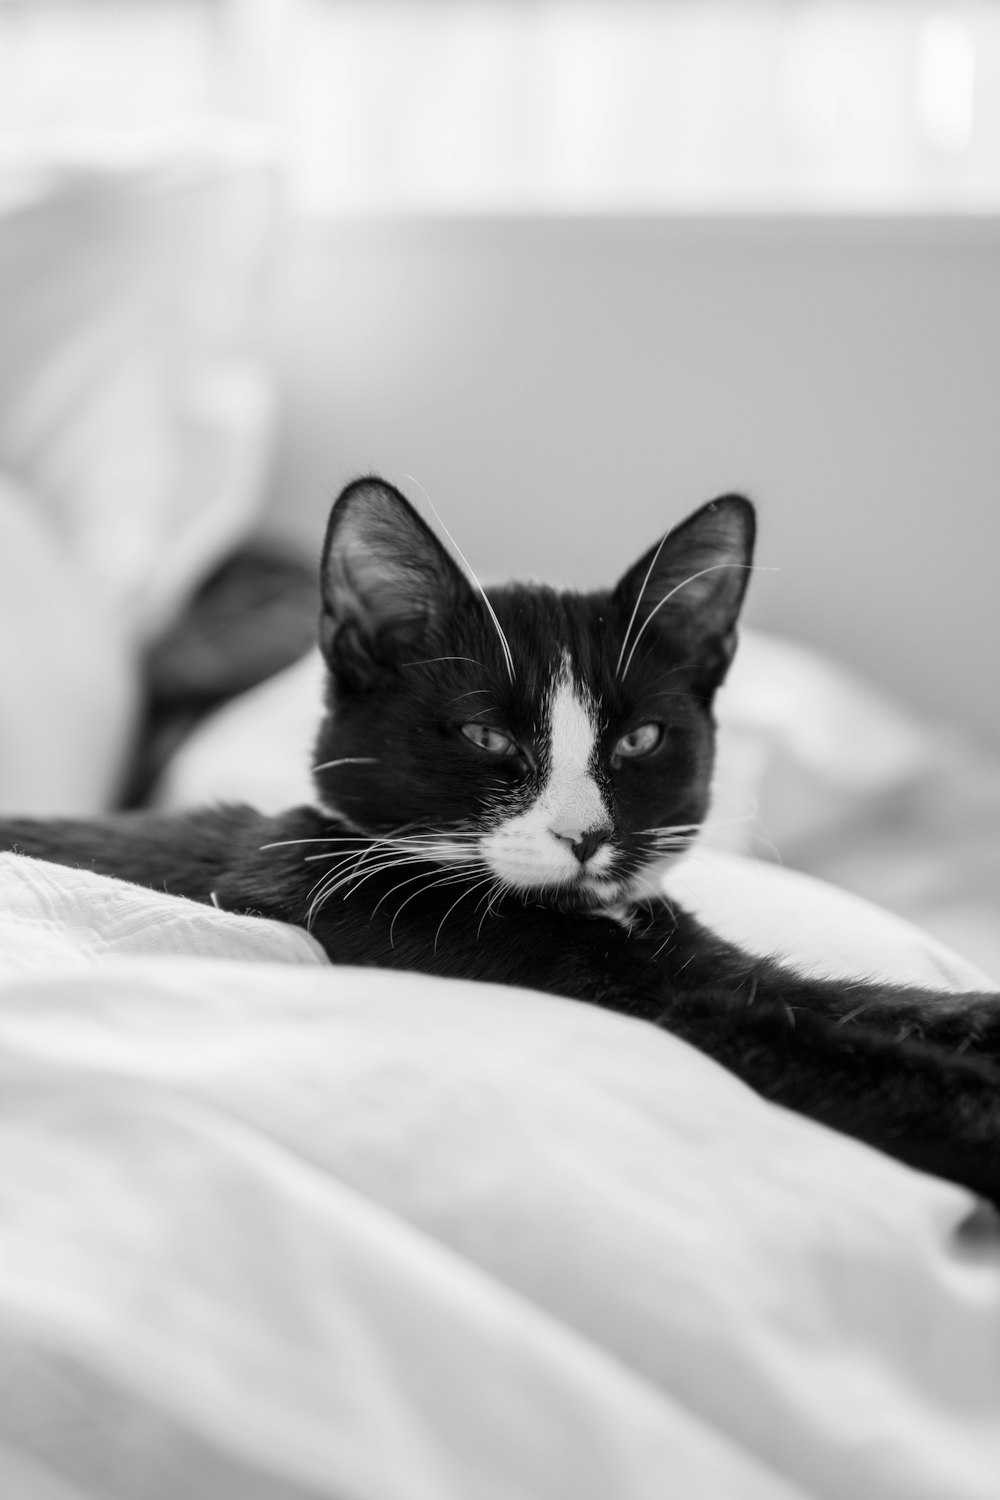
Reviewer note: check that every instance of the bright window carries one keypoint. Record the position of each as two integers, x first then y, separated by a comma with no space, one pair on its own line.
521,105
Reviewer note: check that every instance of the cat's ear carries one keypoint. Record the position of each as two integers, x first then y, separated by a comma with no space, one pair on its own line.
385,582
694,579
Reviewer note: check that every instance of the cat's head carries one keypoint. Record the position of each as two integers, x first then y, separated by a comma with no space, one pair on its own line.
559,744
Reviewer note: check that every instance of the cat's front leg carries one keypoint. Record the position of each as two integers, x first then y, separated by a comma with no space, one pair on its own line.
917,1102
182,854
955,1022
913,1072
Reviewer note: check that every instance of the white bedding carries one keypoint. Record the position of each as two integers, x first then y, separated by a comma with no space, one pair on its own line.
270,1228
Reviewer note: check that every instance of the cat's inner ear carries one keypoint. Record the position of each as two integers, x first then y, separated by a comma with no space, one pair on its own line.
692,584
385,582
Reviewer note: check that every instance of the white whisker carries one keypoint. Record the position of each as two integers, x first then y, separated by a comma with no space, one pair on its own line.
355,880
328,885
412,880
671,828
348,760
445,880
454,851
355,838
496,889
428,661
468,566
477,885
470,694
715,567
638,601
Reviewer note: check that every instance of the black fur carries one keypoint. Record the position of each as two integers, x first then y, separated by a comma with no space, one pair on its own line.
914,1073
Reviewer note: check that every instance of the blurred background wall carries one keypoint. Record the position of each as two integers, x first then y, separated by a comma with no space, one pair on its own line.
577,265
567,388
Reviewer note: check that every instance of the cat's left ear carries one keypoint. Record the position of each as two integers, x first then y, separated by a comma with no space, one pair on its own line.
693,580
385,583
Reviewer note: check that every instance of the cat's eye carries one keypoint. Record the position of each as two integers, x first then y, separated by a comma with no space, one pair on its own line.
493,741
639,741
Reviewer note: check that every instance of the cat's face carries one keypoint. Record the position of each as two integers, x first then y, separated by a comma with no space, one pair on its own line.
557,745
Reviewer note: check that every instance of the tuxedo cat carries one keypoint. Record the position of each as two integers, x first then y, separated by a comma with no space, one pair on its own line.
502,779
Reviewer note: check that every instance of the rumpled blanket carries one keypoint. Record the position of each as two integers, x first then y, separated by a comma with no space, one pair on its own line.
271,1228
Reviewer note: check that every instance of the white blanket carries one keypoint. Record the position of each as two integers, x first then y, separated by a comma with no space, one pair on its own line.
274,1229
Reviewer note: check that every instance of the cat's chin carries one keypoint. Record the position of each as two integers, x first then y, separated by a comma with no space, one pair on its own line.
590,894
647,882
602,895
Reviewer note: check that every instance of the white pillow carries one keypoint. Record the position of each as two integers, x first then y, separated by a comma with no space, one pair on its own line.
818,768
134,405
135,424
815,927
258,748
68,684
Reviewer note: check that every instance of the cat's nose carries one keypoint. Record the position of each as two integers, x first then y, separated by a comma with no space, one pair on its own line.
583,843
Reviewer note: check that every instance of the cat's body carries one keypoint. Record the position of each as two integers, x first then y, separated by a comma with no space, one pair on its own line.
501,786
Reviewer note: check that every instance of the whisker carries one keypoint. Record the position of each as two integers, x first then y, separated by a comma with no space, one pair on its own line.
496,889
320,892
714,568
477,885
389,854
392,854
371,863
638,601
348,872
428,661
356,838
470,694
445,880
492,613
348,760
355,881
328,886
671,828
446,836
411,880
308,859
426,851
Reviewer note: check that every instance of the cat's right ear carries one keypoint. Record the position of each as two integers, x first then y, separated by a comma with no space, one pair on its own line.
385,582
692,581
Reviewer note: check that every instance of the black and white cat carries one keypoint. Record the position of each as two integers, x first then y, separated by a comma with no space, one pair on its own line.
503,778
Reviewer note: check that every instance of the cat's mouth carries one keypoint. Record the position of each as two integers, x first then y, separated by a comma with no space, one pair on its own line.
594,892
599,895
614,876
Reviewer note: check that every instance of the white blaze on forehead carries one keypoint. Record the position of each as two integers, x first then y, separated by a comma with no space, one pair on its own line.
571,795
533,848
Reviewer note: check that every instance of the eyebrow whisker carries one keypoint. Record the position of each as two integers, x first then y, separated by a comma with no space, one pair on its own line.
468,567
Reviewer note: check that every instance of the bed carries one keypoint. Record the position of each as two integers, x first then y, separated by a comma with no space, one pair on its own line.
273,1228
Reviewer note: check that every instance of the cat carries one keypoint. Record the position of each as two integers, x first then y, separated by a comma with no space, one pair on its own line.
502,779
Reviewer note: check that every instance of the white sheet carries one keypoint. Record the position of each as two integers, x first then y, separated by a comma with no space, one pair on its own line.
269,1228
